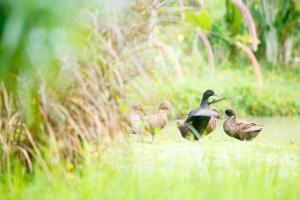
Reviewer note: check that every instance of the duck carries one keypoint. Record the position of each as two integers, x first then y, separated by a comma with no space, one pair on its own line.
201,121
238,129
184,129
189,133
155,122
212,123
134,119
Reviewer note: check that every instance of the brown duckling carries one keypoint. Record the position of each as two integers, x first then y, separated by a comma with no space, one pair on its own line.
240,130
201,121
212,123
134,119
184,129
158,121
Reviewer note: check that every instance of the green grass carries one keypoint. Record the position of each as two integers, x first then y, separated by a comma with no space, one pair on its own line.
172,168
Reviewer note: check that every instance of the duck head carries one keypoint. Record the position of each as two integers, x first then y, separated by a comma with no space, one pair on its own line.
230,113
209,93
168,108
139,110
206,95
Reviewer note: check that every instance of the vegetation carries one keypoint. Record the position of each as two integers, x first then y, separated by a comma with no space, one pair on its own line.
71,70
211,169
242,95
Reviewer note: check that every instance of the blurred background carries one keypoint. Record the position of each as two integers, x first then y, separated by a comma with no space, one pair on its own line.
70,69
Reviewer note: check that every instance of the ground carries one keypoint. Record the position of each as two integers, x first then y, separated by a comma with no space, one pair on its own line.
173,168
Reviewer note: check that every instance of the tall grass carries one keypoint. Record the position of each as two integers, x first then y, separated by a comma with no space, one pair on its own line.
77,97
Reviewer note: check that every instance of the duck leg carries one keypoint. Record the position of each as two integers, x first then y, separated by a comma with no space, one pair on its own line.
195,132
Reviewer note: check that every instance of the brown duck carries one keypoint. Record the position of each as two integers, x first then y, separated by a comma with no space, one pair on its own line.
134,119
158,121
201,121
240,130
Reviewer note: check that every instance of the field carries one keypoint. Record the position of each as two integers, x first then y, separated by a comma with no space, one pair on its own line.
217,167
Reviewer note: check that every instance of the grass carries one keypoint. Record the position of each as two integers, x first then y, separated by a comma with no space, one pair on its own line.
171,168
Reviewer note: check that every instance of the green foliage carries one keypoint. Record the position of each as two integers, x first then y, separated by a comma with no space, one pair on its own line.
234,18
33,42
277,98
277,23
31,33
201,19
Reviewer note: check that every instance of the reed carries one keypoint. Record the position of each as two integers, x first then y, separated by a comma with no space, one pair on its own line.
181,9
209,51
254,62
248,20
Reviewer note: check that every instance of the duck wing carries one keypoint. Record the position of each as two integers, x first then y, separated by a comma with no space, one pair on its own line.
204,112
247,127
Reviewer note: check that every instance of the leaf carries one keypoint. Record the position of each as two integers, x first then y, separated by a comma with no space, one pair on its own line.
123,106
247,39
191,17
201,19
204,20
233,17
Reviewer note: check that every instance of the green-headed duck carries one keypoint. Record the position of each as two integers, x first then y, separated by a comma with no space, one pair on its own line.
201,121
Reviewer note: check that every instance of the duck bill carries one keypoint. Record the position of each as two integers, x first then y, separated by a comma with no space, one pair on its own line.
217,100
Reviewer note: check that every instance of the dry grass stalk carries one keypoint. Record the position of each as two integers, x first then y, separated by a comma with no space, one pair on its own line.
201,3
15,142
82,119
249,21
168,50
209,51
254,62
181,9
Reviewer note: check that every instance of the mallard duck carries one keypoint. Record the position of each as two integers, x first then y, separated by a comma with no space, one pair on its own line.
201,121
189,132
158,121
240,130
